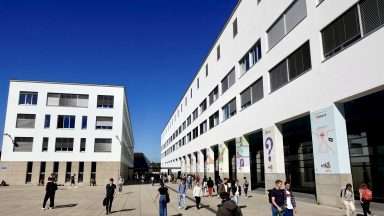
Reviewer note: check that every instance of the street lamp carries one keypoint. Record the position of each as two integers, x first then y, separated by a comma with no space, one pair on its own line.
13,141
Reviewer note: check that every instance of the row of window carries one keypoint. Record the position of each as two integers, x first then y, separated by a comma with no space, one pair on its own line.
65,100
63,121
360,20
62,144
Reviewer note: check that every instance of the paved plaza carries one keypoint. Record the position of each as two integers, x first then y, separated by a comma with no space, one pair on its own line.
135,200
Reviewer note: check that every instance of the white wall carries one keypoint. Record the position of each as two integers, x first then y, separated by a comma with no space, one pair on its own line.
41,110
353,72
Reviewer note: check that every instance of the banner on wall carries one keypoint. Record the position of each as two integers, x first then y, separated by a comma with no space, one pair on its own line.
242,156
324,141
269,149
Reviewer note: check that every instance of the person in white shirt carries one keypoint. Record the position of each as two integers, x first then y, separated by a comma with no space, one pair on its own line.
290,202
197,193
236,190
120,182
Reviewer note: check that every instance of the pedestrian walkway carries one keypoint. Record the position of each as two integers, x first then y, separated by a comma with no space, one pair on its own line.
135,200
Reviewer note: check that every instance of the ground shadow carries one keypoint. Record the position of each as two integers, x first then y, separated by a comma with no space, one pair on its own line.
122,210
204,206
66,206
244,206
188,207
177,215
128,193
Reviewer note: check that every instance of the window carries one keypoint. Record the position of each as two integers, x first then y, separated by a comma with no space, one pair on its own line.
28,98
25,121
105,101
103,145
25,144
250,58
80,176
214,120
191,93
198,83
56,167
104,122
203,106
295,64
28,176
189,121
64,121
186,101
83,142
234,25
229,109
372,15
203,127
67,100
68,170
214,95
44,147
252,94
47,121
206,70
228,81
93,170
64,144
218,52
84,122
195,133
184,125
286,22
195,114
189,138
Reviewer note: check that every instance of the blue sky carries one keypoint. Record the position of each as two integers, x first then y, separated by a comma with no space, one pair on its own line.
152,47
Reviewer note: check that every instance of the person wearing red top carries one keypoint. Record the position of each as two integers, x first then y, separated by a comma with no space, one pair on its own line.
365,199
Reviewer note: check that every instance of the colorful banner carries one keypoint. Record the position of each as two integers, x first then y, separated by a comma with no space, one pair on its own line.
242,156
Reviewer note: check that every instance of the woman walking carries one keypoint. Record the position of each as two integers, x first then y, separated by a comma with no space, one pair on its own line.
163,193
348,199
197,193
365,199
210,185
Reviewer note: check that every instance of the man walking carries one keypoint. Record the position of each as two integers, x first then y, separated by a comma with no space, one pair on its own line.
245,186
236,190
110,191
182,190
50,190
277,199
120,182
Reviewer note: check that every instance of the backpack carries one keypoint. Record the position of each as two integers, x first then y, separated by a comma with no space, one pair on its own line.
342,193
367,195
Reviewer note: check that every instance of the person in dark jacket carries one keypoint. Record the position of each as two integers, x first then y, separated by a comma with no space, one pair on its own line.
110,191
228,207
50,190
210,186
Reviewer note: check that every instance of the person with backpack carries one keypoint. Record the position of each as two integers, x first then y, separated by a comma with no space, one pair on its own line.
182,190
276,198
163,200
245,186
50,190
236,191
289,200
210,185
347,197
228,207
365,199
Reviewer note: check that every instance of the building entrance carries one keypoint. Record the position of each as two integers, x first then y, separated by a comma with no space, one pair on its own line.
232,159
298,155
364,118
255,141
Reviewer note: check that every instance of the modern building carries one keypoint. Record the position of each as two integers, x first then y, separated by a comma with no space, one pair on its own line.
141,163
66,128
290,90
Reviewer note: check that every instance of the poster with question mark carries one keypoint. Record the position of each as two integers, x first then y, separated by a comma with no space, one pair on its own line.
269,149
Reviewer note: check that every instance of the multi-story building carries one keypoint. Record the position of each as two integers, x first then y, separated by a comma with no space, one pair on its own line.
66,128
290,90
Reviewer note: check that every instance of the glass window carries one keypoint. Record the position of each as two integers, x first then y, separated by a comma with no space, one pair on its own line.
84,122
372,15
214,95
28,98
203,106
206,70
228,81
67,100
25,144
45,144
195,114
218,52
229,109
104,122
103,145
235,30
83,142
25,121
64,144
195,133
47,121
214,120
65,121
245,98
105,101
203,127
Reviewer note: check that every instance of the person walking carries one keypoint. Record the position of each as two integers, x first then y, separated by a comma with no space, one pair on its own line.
163,193
218,183
182,190
110,190
205,186
228,207
73,178
197,193
277,199
236,191
50,190
245,186
120,183
210,185
290,202
348,200
365,199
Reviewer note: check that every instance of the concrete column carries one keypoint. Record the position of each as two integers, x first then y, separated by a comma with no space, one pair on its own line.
193,163
331,154
223,161
87,173
273,156
182,165
242,159
35,172
210,163
201,164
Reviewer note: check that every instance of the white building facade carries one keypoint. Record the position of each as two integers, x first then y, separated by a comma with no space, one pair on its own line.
290,90
67,129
